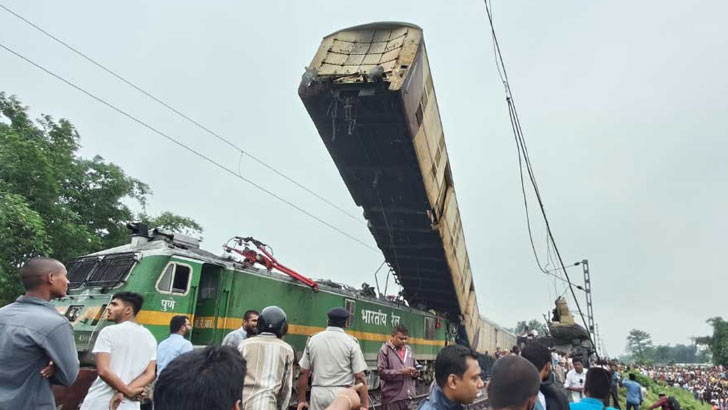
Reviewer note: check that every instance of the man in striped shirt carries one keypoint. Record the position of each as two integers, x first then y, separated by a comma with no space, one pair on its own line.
270,363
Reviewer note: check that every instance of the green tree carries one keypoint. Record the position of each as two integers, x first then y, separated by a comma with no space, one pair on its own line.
660,354
21,236
639,345
718,342
172,222
56,203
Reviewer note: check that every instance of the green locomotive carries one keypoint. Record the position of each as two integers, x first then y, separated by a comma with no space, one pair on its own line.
176,277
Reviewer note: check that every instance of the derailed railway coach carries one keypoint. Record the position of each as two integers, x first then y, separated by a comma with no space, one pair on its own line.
370,93
176,277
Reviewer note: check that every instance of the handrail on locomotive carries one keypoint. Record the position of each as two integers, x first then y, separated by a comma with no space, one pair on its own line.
264,257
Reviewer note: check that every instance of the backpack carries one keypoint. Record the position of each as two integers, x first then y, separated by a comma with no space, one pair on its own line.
674,404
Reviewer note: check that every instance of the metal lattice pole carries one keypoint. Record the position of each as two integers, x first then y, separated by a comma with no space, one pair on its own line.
600,342
587,290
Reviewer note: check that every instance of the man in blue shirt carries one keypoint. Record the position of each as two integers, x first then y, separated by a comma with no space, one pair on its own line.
457,374
36,342
616,380
249,328
634,393
175,344
596,389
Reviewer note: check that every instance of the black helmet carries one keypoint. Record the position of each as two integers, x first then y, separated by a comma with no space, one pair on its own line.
273,319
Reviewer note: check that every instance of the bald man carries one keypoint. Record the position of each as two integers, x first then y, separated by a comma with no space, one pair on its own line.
36,342
514,384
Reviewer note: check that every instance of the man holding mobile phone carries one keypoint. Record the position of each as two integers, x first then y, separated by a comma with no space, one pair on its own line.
398,371
575,380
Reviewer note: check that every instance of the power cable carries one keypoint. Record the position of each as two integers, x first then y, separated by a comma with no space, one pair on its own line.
181,114
188,148
549,263
523,153
525,205
556,277
567,267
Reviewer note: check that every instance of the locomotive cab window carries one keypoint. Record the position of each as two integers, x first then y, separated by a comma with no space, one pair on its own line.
175,279
350,305
429,328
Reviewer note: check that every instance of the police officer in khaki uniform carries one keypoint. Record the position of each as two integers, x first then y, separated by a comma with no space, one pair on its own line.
336,361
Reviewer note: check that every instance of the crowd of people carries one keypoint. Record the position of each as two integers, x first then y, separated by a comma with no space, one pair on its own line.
709,384
253,369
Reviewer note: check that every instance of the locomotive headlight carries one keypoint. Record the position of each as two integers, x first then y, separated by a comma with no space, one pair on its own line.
73,312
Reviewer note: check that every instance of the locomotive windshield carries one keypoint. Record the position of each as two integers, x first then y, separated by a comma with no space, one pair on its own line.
103,271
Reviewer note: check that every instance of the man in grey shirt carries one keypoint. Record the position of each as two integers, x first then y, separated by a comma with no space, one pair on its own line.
248,329
36,342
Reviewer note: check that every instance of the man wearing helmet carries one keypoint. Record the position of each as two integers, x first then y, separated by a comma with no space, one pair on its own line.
270,363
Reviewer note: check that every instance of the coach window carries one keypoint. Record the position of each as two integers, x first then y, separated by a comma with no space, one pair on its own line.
429,328
175,279
350,305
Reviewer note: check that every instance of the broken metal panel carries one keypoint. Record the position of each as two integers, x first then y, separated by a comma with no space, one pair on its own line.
377,48
336,58
355,60
341,47
382,35
372,58
391,55
353,52
361,48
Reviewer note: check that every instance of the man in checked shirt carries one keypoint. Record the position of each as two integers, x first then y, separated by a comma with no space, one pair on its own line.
270,363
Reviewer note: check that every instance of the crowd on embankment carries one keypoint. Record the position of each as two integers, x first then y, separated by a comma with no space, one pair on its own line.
705,383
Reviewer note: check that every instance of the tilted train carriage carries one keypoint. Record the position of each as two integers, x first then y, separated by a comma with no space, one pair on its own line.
369,91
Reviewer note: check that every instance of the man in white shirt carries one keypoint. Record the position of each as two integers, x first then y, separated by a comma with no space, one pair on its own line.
126,356
575,380
249,328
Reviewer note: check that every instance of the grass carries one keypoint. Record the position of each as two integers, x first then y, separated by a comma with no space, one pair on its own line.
684,397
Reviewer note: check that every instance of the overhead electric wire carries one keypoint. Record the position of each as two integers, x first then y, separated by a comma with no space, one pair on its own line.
181,114
523,152
190,149
567,267
556,277
550,263
525,204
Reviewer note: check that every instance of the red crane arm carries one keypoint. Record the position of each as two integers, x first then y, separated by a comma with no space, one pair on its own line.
266,258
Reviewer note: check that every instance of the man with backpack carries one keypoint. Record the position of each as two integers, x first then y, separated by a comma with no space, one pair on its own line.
667,403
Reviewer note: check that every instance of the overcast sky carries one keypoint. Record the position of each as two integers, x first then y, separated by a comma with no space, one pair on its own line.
623,105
